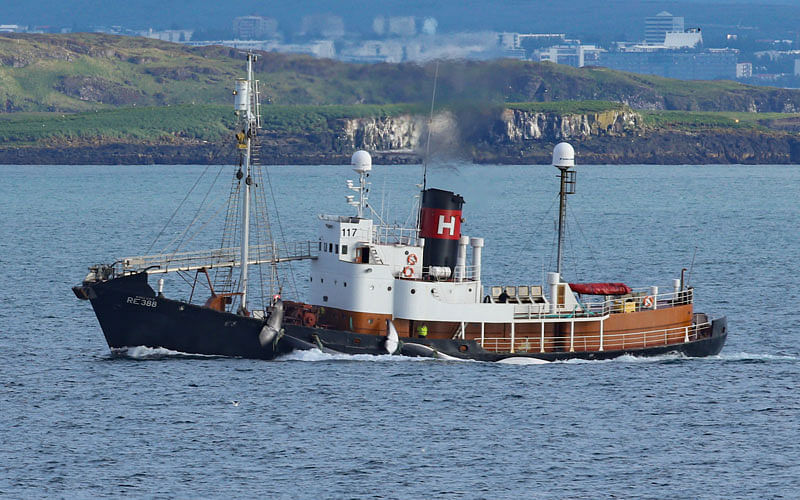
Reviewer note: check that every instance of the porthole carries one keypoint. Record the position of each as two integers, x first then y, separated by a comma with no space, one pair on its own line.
311,279
356,340
470,289
389,288
413,291
463,348
324,298
406,252
322,280
433,291
345,284
372,287
369,321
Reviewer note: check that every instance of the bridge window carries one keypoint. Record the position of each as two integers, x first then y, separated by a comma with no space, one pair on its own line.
344,249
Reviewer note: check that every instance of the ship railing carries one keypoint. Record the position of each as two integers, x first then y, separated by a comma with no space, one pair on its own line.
639,301
406,272
634,302
579,342
388,234
215,258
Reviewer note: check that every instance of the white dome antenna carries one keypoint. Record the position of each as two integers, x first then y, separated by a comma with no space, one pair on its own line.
361,161
563,155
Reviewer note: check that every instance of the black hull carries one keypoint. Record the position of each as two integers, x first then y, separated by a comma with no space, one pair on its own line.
130,315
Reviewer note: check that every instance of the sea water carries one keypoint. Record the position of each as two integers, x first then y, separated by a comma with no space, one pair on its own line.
77,420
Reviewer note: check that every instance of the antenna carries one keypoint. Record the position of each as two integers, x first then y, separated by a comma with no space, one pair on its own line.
424,184
563,159
430,122
691,268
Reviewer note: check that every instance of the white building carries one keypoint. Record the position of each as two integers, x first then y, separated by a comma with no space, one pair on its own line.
745,70
576,55
657,27
683,40
254,27
402,26
168,35
12,28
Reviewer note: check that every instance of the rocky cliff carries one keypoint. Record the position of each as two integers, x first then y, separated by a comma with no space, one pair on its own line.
504,135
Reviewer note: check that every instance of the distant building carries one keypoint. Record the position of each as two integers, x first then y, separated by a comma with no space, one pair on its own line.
657,27
688,39
745,70
168,35
12,28
402,26
254,28
575,55
429,26
685,65
319,48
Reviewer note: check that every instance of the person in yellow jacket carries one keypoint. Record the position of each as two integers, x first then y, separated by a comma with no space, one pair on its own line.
422,331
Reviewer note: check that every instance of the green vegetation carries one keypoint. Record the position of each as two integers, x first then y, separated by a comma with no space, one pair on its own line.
694,120
186,122
208,122
87,72
568,107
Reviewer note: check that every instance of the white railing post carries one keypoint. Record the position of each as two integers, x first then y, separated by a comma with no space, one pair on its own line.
572,336
512,334
541,345
463,331
601,335
686,334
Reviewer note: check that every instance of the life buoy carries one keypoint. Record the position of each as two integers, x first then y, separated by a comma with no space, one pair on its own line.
412,259
309,319
408,271
648,301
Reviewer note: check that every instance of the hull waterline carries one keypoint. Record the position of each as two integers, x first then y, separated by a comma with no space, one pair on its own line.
131,314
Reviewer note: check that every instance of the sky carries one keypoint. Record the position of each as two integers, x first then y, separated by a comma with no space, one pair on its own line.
452,15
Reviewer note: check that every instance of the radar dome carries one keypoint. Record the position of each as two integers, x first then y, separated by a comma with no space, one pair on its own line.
361,161
563,155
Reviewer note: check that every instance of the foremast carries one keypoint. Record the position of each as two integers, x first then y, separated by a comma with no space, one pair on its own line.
246,103
563,159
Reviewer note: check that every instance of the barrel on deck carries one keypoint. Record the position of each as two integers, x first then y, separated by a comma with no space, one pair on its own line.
440,225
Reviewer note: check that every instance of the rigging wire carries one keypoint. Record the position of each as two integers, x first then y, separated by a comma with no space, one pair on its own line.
583,235
196,182
280,229
178,240
430,126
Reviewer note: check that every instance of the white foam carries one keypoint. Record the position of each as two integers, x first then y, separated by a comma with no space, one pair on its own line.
518,360
745,356
627,358
313,355
144,352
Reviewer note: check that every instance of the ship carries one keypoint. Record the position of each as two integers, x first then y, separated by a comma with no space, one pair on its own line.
382,289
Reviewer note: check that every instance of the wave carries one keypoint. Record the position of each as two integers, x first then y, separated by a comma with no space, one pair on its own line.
746,356
147,353
314,355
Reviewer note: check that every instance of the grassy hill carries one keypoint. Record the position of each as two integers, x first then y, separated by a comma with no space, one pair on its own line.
87,72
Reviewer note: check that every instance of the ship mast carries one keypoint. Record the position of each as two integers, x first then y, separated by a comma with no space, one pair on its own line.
246,100
563,159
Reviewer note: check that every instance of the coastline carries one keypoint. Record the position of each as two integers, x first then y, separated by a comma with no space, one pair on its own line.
671,148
